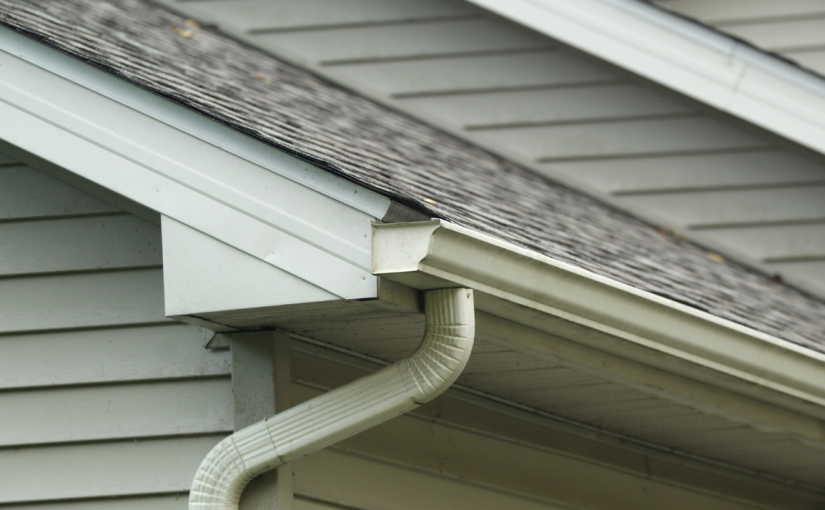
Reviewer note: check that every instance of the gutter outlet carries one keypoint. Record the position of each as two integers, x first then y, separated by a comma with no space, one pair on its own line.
343,412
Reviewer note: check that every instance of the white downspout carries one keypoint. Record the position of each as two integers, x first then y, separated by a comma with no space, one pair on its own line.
343,412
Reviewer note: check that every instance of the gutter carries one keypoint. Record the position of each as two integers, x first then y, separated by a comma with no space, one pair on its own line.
343,412
685,56
635,334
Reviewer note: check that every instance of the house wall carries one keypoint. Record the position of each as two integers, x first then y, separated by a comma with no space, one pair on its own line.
106,404
100,394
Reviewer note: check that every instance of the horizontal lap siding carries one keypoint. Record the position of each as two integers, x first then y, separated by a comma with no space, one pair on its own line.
419,461
101,395
102,469
78,244
794,28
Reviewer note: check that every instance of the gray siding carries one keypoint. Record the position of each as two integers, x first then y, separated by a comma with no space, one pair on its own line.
566,115
100,394
575,389
461,452
794,28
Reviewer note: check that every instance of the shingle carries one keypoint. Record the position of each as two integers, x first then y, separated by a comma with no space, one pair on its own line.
399,157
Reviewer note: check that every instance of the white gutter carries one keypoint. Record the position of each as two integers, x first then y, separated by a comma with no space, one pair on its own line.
684,56
586,309
341,413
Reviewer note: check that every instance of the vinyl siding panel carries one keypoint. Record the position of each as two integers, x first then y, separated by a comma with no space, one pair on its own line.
435,458
81,300
413,40
737,207
101,395
736,10
620,138
27,193
693,172
312,14
101,470
79,244
165,502
524,107
781,35
793,28
112,412
563,388
470,74
107,356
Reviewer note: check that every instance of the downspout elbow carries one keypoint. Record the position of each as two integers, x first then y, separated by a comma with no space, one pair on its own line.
345,411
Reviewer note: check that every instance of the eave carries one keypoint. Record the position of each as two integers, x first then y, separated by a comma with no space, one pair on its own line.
656,342
156,159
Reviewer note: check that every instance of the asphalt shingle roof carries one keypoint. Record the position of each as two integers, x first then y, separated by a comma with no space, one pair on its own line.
353,137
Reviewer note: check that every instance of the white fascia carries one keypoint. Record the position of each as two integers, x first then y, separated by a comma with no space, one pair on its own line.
554,308
60,112
685,56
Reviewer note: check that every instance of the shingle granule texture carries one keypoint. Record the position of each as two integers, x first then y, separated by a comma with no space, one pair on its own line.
387,152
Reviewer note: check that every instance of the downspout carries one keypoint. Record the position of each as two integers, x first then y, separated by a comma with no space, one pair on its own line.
343,412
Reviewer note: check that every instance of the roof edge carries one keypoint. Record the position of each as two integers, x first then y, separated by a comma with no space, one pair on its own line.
604,314
165,110
688,57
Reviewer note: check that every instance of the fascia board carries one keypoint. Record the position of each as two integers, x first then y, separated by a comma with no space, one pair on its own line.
694,60
192,123
187,167
529,289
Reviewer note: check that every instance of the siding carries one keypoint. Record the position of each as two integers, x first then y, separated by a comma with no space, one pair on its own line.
793,28
460,452
101,395
568,116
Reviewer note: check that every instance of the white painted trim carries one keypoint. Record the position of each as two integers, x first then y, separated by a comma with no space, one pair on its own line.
686,57
284,221
192,123
534,290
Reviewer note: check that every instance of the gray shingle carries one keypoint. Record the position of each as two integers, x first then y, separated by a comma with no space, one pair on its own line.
387,152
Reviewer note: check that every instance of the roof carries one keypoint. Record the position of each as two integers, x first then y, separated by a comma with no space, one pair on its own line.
404,159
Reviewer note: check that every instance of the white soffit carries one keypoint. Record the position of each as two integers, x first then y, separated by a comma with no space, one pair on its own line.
247,194
684,56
